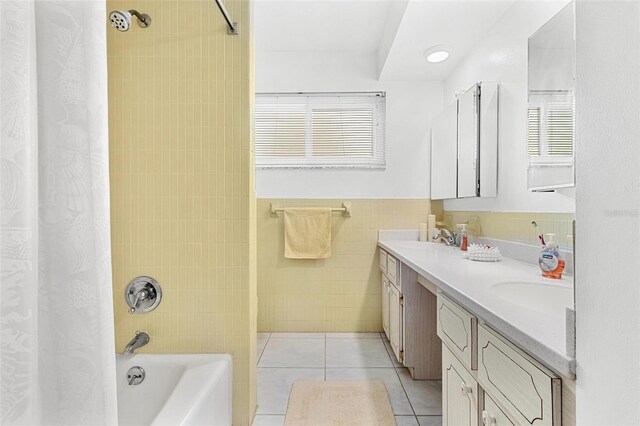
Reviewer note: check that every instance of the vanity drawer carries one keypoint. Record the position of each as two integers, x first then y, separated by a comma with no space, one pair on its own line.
529,392
458,329
383,261
493,415
393,270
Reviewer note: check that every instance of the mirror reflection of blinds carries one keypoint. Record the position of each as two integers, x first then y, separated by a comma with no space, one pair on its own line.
560,132
550,126
533,132
320,130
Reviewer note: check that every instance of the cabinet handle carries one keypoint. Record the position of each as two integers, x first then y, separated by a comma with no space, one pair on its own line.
488,419
465,389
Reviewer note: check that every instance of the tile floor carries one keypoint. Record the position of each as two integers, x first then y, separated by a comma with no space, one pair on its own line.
286,357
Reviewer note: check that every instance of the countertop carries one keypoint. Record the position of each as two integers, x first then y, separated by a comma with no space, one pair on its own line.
538,330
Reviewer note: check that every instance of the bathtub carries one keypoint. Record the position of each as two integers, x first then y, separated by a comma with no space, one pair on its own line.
176,390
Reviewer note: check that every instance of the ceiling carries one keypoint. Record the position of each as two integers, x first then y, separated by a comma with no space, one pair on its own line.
398,31
319,26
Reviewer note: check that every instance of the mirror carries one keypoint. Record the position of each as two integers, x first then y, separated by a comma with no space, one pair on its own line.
443,154
468,172
550,112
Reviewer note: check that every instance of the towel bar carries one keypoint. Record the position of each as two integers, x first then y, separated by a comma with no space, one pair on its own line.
345,209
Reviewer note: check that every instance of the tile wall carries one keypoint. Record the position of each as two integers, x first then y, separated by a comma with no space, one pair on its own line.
341,293
182,203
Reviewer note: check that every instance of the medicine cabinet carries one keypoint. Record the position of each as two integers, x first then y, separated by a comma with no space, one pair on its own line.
550,111
464,145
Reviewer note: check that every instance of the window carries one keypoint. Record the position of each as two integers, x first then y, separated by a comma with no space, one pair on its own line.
320,130
550,124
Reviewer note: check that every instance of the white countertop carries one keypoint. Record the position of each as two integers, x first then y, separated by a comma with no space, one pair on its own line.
539,328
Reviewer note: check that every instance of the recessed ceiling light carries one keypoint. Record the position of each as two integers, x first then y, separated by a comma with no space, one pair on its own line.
437,56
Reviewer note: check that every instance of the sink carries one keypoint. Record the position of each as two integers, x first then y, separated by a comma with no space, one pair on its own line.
546,298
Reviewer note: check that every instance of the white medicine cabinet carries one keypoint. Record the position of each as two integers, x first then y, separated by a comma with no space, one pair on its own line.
464,145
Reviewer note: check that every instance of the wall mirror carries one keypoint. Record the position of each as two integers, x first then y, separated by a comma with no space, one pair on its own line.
550,112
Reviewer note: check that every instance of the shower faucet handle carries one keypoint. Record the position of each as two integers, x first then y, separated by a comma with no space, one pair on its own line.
140,296
143,294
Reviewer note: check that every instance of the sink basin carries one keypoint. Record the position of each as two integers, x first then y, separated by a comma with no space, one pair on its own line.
546,298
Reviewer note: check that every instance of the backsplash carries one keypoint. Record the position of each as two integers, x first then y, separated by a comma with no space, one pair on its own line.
341,293
516,226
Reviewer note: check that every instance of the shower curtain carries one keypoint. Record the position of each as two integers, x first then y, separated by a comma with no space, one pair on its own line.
57,355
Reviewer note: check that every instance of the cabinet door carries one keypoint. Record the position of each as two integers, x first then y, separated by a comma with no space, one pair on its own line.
459,392
468,144
385,305
395,321
443,153
492,415
383,261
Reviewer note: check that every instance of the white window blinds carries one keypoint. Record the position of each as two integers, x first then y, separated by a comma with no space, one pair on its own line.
320,130
550,123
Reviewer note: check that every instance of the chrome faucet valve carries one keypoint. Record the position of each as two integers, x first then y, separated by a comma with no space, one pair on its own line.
135,375
143,294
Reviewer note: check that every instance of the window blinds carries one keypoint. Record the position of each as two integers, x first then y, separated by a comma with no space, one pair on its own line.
550,124
320,130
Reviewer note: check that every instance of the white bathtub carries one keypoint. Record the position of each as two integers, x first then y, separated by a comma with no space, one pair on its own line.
177,390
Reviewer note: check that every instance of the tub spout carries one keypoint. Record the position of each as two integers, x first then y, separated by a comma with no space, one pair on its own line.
139,340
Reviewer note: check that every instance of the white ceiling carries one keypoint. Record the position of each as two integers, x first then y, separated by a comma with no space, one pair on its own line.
409,27
319,25
456,24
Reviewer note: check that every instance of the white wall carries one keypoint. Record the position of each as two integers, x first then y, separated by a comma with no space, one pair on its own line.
502,57
410,108
608,212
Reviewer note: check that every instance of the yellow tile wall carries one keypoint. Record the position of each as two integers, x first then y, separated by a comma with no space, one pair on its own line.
182,199
516,226
341,293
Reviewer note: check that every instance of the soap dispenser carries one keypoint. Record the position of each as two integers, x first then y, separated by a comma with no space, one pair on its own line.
550,261
464,236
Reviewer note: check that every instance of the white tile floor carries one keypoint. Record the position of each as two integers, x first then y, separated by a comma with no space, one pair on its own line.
286,357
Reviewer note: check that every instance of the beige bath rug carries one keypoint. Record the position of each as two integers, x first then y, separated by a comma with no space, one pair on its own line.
339,404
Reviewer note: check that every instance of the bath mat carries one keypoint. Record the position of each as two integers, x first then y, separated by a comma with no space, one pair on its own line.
364,403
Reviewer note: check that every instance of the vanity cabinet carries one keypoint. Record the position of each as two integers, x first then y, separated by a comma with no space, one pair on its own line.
527,390
392,303
395,322
458,329
459,392
492,414
481,367
386,291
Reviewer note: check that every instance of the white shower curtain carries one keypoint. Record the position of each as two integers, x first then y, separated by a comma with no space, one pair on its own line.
57,356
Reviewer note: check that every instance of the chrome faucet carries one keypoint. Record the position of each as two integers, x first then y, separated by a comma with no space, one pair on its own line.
447,236
139,340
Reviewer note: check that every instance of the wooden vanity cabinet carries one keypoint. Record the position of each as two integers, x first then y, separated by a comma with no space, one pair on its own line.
479,365
459,392
492,414
386,292
395,322
392,303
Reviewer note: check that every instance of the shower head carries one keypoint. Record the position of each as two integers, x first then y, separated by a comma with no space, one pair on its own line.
121,19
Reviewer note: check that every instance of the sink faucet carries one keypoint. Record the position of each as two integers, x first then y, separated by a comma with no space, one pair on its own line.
446,236
139,340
